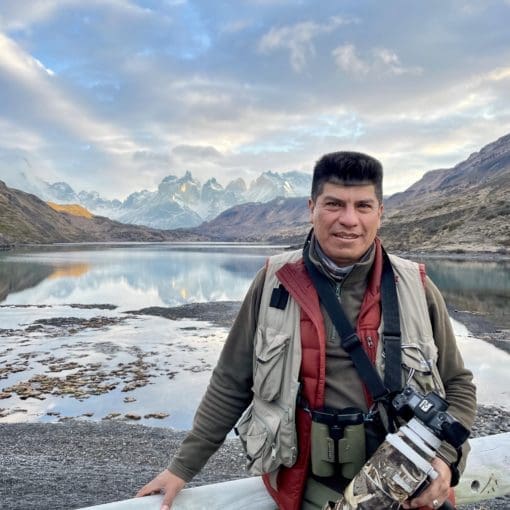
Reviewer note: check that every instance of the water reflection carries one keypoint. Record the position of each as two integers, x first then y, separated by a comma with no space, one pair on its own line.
17,277
489,366
482,287
72,270
130,275
171,274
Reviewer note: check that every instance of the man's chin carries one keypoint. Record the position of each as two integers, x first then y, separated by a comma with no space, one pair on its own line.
345,257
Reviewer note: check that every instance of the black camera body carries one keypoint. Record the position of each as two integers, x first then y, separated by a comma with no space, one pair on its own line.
431,410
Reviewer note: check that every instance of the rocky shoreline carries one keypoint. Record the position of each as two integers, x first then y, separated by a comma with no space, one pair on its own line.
64,466
82,379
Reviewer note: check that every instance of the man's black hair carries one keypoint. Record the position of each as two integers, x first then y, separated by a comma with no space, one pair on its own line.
348,169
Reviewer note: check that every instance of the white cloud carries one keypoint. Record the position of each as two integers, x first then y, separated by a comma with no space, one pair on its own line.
15,137
196,152
389,61
381,60
44,68
298,39
347,59
237,87
22,15
58,108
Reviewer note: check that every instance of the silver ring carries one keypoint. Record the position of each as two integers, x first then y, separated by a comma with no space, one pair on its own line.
435,504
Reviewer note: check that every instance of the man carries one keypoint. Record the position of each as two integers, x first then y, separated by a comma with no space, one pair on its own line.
283,362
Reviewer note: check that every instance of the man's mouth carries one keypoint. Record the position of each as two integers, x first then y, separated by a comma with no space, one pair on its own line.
345,235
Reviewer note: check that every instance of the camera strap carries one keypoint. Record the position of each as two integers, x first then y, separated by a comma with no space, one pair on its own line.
350,341
391,336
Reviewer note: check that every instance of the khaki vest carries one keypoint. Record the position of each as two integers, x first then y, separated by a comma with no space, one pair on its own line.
268,427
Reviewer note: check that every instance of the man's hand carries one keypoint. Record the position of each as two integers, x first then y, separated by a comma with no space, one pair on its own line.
167,483
437,492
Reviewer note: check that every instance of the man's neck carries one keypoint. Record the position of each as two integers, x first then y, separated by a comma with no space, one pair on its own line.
336,271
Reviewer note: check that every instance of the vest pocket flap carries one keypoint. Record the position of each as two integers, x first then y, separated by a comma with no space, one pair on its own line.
272,343
253,434
270,351
415,359
420,368
241,428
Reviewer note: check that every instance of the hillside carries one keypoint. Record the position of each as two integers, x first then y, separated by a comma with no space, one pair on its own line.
24,218
464,208
74,209
281,219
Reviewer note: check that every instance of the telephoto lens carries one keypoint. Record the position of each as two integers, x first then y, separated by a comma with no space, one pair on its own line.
401,465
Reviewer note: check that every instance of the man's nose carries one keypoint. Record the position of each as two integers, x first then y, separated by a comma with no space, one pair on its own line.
349,216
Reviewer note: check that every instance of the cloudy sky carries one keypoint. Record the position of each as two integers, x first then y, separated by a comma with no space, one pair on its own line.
113,95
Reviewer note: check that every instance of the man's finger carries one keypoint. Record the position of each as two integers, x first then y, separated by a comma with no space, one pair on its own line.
167,501
148,489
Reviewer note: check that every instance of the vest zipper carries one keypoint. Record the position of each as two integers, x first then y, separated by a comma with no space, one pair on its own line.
338,289
371,349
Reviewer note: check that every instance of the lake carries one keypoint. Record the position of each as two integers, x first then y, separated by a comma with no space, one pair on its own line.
481,287
171,359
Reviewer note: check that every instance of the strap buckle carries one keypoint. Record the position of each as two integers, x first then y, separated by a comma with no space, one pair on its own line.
350,342
392,337
338,418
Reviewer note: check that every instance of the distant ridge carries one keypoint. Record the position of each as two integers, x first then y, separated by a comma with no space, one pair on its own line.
178,202
487,168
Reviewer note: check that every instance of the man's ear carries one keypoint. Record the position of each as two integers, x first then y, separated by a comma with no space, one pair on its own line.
311,207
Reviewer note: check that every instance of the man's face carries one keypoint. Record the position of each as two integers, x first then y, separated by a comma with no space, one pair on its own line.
345,221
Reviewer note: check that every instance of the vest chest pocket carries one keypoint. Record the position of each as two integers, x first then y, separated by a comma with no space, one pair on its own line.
271,348
420,369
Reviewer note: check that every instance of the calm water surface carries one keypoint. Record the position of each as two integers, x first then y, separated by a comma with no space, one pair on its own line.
475,286
172,274
134,276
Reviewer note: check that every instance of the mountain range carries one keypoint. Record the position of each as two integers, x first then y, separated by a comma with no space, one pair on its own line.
25,218
459,209
178,202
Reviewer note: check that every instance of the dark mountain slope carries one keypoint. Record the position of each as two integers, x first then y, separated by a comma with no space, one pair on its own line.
281,219
464,208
